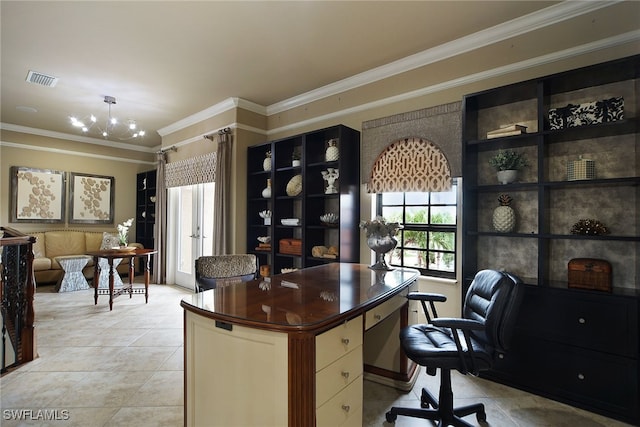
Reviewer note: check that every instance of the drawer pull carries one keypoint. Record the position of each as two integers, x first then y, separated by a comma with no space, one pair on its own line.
581,377
582,320
345,341
345,375
346,408
377,316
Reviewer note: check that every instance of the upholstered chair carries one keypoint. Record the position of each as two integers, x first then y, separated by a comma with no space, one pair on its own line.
469,344
221,270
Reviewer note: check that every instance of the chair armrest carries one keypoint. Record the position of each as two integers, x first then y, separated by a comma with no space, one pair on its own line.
456,323
425,297
462,325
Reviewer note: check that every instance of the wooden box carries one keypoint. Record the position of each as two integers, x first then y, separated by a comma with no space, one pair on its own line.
291,246
590,273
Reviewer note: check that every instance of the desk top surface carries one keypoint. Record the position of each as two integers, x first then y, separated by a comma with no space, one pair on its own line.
302,299
121,253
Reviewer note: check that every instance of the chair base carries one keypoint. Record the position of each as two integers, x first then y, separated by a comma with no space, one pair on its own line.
443,410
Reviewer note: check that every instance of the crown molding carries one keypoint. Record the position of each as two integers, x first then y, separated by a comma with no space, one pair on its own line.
77,138
73,153
214,110
630,37
515,27
533,21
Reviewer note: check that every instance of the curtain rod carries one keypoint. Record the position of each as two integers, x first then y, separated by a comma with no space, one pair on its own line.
222,131
172,148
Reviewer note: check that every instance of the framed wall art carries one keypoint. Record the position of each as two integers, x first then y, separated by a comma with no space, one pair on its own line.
91,199
37,195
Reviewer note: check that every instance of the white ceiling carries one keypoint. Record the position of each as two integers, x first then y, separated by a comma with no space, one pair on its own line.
164,61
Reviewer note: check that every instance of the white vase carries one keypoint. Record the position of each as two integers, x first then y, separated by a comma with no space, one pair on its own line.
266,163
266,193
507,176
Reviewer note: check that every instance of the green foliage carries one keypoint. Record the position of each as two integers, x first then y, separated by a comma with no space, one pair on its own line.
508,160
438,240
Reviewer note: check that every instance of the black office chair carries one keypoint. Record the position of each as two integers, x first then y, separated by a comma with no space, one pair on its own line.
469,345
221,270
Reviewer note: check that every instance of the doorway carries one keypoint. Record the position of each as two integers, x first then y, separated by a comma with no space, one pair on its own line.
190,213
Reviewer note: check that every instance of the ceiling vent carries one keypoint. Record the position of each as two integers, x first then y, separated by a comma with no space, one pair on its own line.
41,79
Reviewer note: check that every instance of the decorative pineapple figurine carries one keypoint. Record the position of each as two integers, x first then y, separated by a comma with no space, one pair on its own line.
504,217
332,153
266,163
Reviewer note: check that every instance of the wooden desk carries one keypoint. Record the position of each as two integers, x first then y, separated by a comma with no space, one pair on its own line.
289,351
110,255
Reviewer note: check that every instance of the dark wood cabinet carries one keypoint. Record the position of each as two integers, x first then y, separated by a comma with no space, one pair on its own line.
577,346
145,208
300,192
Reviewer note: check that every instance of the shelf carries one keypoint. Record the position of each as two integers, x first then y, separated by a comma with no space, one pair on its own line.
555,236
549,205
312,201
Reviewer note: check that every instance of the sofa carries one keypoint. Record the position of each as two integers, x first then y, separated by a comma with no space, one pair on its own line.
51,244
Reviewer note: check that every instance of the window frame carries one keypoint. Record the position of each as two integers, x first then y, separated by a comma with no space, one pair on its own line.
449,228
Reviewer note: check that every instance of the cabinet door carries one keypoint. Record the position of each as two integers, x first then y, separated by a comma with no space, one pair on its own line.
581,318
585,378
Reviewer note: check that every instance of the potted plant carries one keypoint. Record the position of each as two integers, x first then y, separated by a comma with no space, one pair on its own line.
507,163
295,157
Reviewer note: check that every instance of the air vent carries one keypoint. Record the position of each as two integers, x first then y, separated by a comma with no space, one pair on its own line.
41,79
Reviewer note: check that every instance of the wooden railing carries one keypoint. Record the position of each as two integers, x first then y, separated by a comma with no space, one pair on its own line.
17,286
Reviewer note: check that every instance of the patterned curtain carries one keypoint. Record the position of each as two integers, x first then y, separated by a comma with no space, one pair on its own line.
195,170
410,164
221,203
160,232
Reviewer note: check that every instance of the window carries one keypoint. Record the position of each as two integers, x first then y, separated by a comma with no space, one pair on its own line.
428,240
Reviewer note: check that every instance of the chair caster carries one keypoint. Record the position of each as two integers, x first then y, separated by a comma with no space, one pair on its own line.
391,417
481,416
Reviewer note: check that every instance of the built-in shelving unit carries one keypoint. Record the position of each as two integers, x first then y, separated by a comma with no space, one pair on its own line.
145,207
310,202
577,346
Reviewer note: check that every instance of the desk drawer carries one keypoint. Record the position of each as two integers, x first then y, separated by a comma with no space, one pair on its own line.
339,374
379,313
344,409
337,342
601,322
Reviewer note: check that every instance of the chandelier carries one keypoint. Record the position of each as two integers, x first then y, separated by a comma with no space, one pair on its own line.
110,127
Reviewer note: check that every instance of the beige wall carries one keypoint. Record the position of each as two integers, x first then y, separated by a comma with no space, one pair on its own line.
399,94
40,152
519,58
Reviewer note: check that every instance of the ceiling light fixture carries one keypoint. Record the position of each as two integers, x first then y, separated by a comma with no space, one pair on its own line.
111,127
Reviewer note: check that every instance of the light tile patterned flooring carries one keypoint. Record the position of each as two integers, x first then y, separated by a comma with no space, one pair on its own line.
124,368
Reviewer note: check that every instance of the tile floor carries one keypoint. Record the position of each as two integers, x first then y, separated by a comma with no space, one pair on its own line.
124,368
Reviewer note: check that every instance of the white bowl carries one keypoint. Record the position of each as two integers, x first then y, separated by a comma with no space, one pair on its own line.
264,239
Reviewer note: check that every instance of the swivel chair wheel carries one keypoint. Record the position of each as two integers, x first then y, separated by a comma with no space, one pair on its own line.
391,417
481,416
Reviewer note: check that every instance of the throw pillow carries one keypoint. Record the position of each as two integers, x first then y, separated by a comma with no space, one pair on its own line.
109,241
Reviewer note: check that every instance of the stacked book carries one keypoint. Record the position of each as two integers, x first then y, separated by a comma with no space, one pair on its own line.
507,130
263,247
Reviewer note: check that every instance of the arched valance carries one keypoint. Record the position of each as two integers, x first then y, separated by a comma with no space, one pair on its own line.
410,164
195,170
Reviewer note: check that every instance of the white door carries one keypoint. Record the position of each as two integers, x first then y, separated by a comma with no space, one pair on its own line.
191,215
